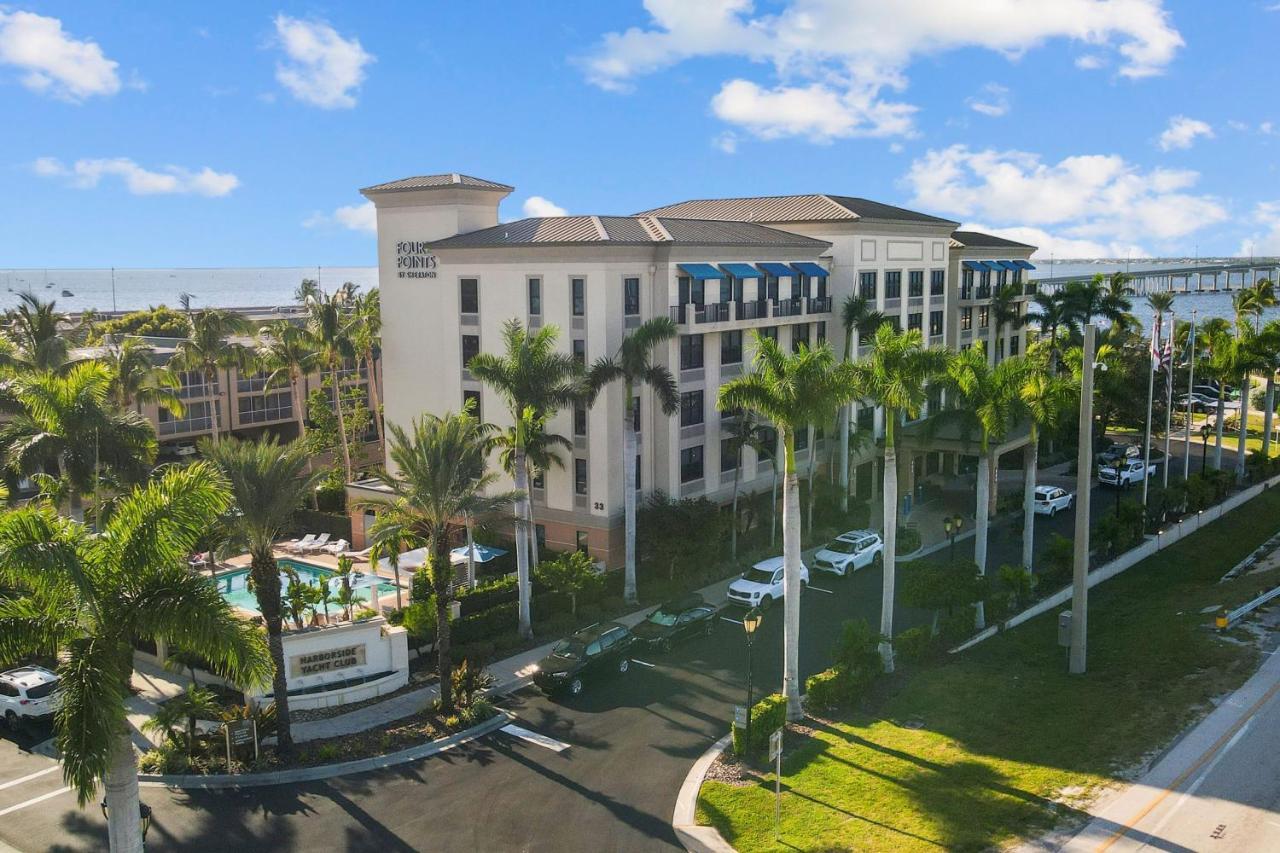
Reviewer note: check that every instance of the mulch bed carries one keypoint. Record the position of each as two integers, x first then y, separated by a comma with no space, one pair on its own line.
729,769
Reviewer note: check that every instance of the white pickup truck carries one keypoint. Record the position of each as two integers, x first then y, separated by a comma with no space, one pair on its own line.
1125,472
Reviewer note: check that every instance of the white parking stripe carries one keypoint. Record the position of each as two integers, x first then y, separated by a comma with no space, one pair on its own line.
820,589
29,777
644,663
533,737
734,621
33,801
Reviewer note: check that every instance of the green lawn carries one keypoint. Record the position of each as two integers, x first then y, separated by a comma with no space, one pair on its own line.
1011,741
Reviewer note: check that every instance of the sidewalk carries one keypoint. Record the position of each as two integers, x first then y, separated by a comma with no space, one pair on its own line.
154,685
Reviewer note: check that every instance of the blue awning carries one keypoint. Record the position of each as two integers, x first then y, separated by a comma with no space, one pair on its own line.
741,270
991,265
976,266
810,268
776,269
700,271
1025,265
1009,265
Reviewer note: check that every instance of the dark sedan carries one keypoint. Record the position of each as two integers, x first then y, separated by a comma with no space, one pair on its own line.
590,654
675,622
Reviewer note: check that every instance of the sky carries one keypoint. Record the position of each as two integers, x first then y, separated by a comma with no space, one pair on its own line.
239,133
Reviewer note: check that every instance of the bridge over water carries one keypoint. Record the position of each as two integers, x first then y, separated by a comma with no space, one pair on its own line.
1200,278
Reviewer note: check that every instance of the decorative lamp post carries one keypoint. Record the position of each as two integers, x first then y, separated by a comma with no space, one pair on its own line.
750,623
1204,443
144,816
952,525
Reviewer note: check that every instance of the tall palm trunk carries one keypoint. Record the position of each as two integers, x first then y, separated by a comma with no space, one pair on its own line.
373,393
266,580
1222,417
629,496
890,537
733,527
813,458
1242,449
532,528
215,405
791,588
342,421
525,623
773,512
983,523
1268,413
442,579
124,830
395,567
1030,461
300,404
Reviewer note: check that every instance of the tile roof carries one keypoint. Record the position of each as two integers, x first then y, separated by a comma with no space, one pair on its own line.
980,240
627,231
816,207
446,180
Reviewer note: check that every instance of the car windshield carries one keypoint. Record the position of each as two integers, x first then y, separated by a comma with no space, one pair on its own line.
663,618
841,547
758,575
42,690
570,648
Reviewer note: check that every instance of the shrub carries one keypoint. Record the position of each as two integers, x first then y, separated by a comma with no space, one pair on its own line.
167,759
956,627
419,619
480,650
507,642
158,322
1056,562
1120,531
477,712
469,678
420,586
944,588
570,575
829,689
908,541
558,625
1016,586
915,644
767,716
855,653
487,595
328,752
484,625
364,613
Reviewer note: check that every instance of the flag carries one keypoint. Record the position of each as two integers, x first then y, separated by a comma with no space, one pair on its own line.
1166,364
1155,344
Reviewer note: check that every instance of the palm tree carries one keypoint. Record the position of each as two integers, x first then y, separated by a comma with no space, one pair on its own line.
34,327
1269,347
745,431
632,365
389,544
440,477
1044,398
268,483
1052,314
792,391
328,326
1105,297
366,338
207,348
989,402
1004,312
859,320
1221,366
88,598
67,424
136,379
287,353
895,376
535,381
541,454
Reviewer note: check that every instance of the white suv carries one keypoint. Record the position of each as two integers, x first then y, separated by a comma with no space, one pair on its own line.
761,584
849,552
28,693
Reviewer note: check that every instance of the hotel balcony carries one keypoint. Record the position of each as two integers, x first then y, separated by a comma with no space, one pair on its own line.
747,313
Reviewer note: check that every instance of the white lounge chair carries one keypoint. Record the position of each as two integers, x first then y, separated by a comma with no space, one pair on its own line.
297,545
359,556
316,546
336,548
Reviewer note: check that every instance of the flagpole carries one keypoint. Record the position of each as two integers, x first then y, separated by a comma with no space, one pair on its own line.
1191,385
1168,400
1151,390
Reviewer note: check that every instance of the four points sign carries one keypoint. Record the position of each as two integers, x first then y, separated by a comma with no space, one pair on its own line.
414,259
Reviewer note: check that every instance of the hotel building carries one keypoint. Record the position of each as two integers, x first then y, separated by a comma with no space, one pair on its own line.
451,274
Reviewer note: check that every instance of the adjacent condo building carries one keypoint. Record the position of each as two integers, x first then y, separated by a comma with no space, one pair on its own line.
451,275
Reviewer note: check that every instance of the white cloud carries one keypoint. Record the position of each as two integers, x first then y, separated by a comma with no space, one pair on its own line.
1266,128
992,101
51,61
536,205
1097,200
324,69
1090,62
834,60
169,180
1182,132
354,217
726,142
896,148
1266,241
1056,246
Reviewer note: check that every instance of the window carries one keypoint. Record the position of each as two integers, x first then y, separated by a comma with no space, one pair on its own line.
691,464
893,285
631,296
984,316
538,480
822,286
822,333
728,455
1013,345
540,534
984,284
580,540
915,320
1002,278
771,287
635,413
770,332
579,420
691,408
638,486
262,408
470,348
578,286
535,297
966,319
802,438
866,418
966,283
867,285
579,476
580,350
682,290
472,397
937,280
803,285
196,417
698,293
1017,276
726,289
799,335
935,323
915,283
690,352
470,296
731,347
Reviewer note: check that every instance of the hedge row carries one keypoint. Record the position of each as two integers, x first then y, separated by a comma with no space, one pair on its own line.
767,716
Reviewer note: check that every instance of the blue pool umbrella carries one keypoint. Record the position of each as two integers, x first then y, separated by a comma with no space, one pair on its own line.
482,553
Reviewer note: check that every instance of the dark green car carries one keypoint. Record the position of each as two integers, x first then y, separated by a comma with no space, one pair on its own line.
675,622
588,655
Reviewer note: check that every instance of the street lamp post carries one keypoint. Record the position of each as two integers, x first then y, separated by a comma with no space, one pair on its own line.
1204,444
952,525
750,623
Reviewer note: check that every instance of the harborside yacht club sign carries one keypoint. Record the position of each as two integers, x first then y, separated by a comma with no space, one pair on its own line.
328,660
414,259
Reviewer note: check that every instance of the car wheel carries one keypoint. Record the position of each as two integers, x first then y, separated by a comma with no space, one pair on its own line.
766,602
575,687
1053,510
878,560
624,664
10,720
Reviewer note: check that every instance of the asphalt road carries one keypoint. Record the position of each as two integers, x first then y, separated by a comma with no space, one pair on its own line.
631,740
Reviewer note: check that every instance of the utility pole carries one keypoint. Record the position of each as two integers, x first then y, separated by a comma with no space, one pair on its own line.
1084,470
1191,386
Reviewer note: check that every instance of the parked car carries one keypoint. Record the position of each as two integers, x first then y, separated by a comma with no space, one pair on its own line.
1050,500
588,655
1117,452
1199,402
1125,473
675,622
849,552
28,694
761,584
1231,396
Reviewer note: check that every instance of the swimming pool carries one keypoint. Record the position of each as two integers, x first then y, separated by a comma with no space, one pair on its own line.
234,585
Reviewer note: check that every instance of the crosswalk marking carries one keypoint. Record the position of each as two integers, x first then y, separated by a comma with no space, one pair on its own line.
533,737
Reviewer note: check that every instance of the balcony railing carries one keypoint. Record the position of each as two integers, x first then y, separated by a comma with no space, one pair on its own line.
756,309
792,307
752,309
1030,289
819,304
716,312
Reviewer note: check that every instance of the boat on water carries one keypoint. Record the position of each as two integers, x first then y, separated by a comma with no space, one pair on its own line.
66,292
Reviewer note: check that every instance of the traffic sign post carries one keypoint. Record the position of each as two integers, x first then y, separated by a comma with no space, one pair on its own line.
775,755
240,733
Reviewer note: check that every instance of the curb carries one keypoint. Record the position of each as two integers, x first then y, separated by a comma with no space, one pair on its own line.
329,771
695,838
